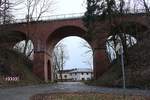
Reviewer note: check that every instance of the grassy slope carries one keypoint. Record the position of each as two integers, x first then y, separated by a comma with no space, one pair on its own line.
14,63
110,78
137,71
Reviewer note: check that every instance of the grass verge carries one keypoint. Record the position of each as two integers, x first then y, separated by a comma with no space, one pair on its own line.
86,96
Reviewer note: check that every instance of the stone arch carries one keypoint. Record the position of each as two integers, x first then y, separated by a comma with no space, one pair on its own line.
133,28
17,35
141,19
131,24
63,32
11,37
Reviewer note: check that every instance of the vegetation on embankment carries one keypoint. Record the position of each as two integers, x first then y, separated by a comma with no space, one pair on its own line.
137,70
13,63
110,78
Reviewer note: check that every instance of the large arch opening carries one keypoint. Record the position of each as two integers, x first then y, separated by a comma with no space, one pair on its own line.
10,38
80,54
73,59
25,47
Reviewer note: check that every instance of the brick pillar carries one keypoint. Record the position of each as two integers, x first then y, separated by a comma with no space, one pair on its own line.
100,63
40,66
100,59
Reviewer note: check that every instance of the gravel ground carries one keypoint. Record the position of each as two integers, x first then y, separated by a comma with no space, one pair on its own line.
24,93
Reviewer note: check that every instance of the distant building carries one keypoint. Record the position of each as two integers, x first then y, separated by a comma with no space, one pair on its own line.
65,75
76,74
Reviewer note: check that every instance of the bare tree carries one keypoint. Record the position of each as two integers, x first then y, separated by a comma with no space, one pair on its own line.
5,11
60,57
89,53
35,9
146,5
20,47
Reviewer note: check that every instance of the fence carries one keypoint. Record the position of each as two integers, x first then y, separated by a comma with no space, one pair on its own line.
65,16
47,18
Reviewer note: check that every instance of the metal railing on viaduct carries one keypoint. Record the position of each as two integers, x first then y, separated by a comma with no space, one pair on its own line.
64,16
47,18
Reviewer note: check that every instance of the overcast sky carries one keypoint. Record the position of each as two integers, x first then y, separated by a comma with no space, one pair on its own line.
69,6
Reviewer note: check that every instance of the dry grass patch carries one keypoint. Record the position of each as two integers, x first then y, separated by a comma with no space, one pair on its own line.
85,96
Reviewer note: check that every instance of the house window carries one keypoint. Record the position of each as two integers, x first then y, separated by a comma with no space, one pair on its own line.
82,79
75,73
82,73
87,73
88,78
65,76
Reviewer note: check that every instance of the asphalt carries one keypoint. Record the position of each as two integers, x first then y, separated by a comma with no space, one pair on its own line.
25,92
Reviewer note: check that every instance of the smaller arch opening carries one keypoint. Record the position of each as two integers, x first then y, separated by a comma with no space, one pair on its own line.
114,45
14,63
126,34
26,47
123,50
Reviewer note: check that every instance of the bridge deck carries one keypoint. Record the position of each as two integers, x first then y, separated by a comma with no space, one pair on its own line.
65,16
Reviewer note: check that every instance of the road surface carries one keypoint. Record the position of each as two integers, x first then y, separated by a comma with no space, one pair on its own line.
24,93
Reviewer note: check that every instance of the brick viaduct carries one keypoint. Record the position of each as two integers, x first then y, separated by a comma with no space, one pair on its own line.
46,34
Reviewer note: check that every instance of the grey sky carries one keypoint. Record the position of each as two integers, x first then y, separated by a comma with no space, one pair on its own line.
78,56
69,6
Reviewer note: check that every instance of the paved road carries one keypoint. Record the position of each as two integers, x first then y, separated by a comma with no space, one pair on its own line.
24,93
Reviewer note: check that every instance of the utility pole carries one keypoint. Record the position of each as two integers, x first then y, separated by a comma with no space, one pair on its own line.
123,68
119,48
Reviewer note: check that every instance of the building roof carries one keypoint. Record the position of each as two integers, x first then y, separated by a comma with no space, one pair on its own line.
77,70
82,70
66,71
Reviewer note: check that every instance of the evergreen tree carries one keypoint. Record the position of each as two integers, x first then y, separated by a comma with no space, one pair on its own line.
90,17
99,10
